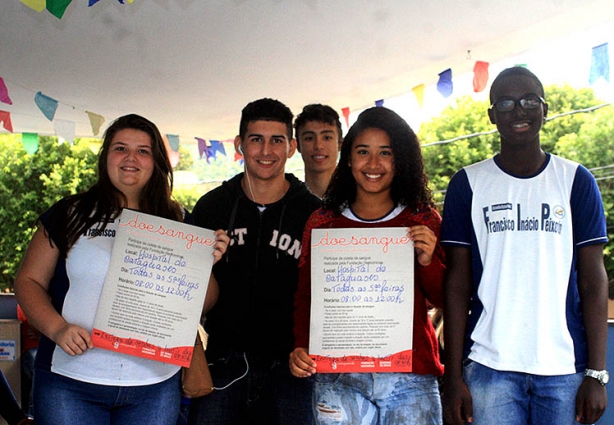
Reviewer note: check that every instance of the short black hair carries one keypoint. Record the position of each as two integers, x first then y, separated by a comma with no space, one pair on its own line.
514,71
320,113
265,110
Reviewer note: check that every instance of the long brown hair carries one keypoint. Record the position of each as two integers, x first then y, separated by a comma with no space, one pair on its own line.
103,202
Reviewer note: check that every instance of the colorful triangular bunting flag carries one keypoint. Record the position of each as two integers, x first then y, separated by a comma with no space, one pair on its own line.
57,7
480,76
46,104
5,118
217,146
30,142
444,85
4,93
419,93
66,130
96,122
600,64
173,141
346,115
38,5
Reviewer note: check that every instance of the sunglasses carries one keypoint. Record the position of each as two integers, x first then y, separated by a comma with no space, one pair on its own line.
531,101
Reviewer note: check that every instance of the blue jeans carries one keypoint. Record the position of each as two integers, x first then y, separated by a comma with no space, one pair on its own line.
184,411
515,398
59,400
376,398
267,394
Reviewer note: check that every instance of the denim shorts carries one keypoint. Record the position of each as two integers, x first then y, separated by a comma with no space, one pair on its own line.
59,400
511,398
376,398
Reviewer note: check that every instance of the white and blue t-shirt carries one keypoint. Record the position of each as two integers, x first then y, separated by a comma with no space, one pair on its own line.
524,233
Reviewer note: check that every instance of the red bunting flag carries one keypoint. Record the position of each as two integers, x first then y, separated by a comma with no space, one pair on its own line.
480,76
5,118
346,115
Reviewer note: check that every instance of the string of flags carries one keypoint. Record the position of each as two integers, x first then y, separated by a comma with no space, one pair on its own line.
600,68
57,7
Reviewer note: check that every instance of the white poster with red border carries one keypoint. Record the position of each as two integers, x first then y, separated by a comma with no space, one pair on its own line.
362,300
154,291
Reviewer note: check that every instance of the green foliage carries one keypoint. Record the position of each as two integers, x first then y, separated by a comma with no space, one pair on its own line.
593,146
29,184
186,161
188,195
561,100
443,160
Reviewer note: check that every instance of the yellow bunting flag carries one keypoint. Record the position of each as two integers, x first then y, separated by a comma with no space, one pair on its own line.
38,5
419,93
96,122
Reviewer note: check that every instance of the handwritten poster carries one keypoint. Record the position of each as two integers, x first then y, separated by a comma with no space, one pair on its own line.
155,288
362,300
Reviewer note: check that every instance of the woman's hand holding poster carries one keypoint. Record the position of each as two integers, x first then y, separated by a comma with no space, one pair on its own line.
362,300
155,288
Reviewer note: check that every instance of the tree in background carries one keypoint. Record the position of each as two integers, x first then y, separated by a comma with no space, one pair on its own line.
29,184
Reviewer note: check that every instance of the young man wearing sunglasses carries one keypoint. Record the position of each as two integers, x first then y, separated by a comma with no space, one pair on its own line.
526,287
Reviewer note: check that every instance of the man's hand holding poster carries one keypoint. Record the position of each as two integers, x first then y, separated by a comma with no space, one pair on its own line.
362,300
155,288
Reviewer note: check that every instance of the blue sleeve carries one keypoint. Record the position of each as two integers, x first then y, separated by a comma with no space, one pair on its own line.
456,228
588,216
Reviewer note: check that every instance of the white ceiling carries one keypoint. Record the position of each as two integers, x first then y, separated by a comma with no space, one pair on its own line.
191,65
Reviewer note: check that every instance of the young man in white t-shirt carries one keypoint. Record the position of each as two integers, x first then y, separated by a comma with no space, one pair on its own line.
526,287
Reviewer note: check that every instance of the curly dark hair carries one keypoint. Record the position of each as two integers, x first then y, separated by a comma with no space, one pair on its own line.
103,202
409,185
